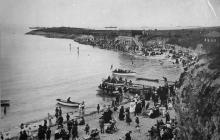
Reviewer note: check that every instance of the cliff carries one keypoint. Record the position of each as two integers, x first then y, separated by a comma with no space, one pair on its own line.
198,101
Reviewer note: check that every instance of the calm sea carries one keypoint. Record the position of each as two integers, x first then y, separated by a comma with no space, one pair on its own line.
35,71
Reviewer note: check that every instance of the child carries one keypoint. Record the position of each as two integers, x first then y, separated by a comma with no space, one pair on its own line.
87,128
137,123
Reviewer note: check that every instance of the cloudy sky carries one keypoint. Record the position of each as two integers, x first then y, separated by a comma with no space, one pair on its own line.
101,13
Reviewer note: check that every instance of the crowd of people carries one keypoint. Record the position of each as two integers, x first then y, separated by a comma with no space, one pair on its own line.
114,80
164,130
122,71
162,98
115,86
62,131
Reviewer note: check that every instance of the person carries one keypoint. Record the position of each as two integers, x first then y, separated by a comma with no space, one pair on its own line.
117,100
87,129
82,121
2,137
136,109
56,112
5,110
137,124
128,136
69,126
67,117
112,127
41,135
60,111
101,124
94,134
45,126
143,103
137,121
147,106
21,137
60,121
74,132
111,67
64,134
22,126
68,99
113,103
128,119
50,119
167,117
98,108
48,133
80,109
132,62
121,113
107,115
75,122
130,82
83,107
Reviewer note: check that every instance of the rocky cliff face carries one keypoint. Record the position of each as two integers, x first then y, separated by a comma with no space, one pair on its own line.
198,102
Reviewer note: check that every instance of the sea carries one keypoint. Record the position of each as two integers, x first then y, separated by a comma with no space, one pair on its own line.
35,71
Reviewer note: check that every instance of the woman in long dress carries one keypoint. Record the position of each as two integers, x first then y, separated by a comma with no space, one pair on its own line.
132,106
128,118
121,113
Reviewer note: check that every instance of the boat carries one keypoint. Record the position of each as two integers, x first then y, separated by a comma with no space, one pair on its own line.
123,73
154,80
109,93
5,102
114,84
138,88
110,89
148,79
67,103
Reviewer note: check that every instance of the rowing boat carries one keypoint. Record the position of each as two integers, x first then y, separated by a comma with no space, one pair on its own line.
148,79
67,103
124,73
5,102
114,84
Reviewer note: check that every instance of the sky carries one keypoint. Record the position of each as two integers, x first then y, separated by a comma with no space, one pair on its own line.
101,13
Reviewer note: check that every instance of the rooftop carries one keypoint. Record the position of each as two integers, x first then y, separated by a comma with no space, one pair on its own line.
213,34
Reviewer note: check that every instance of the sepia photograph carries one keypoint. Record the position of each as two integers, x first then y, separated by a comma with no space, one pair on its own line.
110,69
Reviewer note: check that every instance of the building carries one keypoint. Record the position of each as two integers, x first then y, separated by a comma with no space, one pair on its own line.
130,43
86,38
212,37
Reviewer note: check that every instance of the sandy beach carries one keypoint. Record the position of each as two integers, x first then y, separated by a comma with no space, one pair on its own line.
92,119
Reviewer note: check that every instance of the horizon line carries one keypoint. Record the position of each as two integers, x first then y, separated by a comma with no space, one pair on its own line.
130,28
